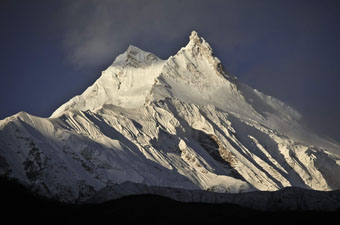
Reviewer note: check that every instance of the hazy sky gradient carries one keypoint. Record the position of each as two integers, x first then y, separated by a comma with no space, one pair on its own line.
52,50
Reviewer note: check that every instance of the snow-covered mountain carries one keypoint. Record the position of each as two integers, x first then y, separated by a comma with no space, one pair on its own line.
176,123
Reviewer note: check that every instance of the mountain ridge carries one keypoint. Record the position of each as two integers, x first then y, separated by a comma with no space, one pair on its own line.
178,123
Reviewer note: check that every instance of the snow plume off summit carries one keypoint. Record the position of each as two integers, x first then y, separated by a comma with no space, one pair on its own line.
180,123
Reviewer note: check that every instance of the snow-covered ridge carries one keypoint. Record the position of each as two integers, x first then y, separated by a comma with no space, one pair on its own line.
193,75
181,123
125,83
135,57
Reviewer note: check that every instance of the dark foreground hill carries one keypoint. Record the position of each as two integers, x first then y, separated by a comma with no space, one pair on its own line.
18,203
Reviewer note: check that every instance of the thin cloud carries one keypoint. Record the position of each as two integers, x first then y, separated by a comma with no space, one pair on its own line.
96,31
266,44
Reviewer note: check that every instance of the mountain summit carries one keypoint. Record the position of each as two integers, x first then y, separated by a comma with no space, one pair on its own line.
181,123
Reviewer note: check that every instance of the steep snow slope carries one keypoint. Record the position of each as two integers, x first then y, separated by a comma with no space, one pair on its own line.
181,122
125,83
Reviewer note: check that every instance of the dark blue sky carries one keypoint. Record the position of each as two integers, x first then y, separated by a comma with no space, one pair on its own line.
52,50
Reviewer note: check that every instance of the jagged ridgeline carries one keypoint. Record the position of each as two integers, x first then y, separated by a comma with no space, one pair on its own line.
180,123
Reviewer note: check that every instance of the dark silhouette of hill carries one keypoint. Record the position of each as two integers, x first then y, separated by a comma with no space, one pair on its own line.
18,203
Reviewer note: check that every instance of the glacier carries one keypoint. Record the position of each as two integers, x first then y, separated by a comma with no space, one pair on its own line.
180,123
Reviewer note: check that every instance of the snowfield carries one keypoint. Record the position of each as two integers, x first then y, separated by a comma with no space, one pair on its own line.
176,123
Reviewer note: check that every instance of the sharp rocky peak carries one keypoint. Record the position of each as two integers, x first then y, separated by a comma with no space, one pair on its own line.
197,44
199,47
194,37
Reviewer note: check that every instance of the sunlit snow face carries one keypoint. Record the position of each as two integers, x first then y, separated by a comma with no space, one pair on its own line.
64,43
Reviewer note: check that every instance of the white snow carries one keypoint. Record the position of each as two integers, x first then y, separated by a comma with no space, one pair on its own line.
181,122
125,83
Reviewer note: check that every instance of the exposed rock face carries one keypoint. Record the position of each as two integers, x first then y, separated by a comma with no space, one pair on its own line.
176,123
